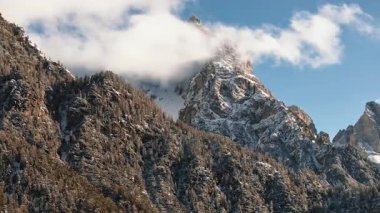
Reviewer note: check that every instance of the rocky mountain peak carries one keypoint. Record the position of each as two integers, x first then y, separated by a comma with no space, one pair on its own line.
226,98
365,133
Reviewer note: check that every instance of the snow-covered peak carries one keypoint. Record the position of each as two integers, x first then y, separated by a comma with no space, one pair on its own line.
226,66
226,98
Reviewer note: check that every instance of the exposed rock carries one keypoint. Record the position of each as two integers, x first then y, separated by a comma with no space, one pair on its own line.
365,133
323,138
226,98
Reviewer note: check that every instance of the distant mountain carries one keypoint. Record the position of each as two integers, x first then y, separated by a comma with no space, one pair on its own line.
96,144
365,133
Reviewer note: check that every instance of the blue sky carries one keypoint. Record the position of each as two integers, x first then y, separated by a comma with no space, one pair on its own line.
334,95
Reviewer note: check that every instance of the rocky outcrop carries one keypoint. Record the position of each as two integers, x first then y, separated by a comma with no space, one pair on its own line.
226,98
365,133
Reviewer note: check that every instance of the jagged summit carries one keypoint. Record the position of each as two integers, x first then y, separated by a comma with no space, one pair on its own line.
226,98
365,133
171,97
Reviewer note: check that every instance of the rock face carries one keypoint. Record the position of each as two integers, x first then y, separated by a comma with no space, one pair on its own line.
96,144
226,98
365,133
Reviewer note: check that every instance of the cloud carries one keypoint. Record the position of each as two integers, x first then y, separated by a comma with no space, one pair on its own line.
310,39
147,39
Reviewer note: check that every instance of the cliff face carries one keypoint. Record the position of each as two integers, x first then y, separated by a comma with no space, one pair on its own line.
226,98
97,144
365,133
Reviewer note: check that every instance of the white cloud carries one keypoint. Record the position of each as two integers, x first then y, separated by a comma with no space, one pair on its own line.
310,39
147,38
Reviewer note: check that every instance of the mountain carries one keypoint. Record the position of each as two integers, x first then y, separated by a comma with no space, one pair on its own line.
365,133
226,98
97,144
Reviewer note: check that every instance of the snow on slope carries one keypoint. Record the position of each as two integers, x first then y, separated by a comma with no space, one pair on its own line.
226,98
372,155
374,158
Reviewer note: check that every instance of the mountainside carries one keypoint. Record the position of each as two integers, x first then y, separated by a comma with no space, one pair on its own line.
225,98
365,133
97,144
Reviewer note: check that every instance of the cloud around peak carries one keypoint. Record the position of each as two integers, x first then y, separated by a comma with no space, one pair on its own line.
148,39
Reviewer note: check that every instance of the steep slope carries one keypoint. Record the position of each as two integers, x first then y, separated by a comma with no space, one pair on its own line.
31,177
365,133
225,98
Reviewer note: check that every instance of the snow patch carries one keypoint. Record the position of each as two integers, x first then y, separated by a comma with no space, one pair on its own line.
115,91
264,94
70,73
266,165
369,113
375,158
372,155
